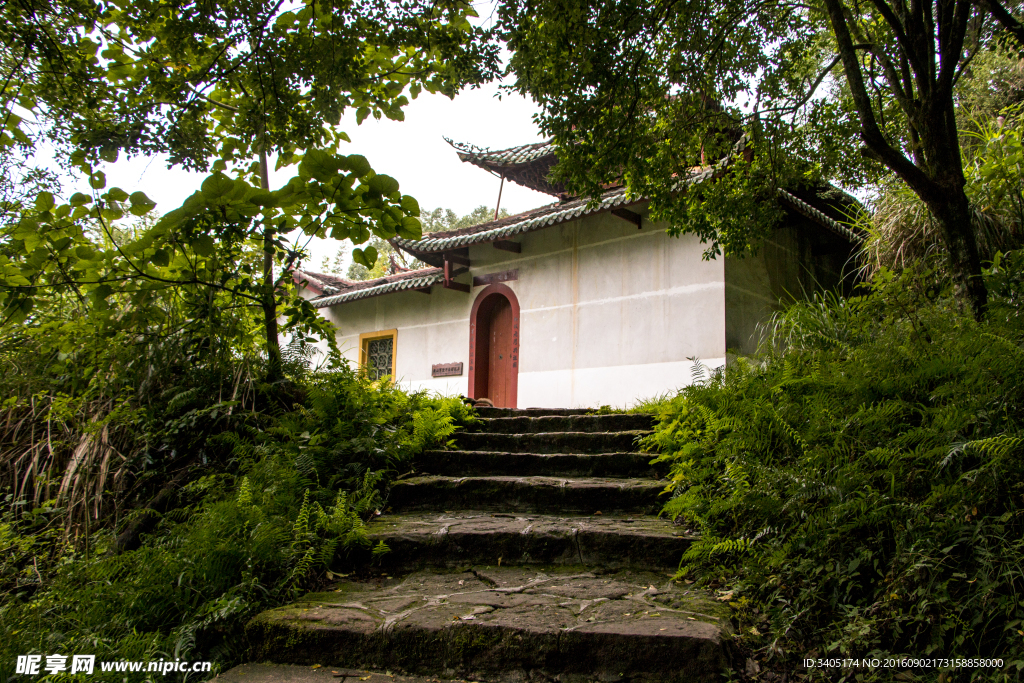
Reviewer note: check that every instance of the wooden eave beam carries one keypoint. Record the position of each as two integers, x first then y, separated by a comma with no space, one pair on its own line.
507,245
627,215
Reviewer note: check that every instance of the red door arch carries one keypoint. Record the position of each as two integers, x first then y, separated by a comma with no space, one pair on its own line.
494,346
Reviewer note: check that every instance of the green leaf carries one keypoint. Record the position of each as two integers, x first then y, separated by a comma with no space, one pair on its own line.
78,199
358,164
44,201
383,184
109,154
365,257
98,180
87,47
216,186
410,206
85,252
111,214
203,245
263,198
319,165
141,204
410,228
115,194
361,114
161,257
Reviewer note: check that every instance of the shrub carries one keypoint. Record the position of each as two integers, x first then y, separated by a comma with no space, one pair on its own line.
859,488
285,503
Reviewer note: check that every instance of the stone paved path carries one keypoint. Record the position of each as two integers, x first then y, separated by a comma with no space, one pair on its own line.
532,553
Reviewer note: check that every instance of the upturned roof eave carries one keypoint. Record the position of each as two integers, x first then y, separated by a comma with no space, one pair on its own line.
428,278
434,244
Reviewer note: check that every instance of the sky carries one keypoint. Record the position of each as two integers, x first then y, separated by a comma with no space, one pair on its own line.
412,151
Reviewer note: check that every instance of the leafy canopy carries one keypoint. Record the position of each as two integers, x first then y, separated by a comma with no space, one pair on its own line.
828,90
218,87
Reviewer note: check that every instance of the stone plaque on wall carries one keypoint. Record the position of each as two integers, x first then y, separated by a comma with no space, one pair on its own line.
491,278
446,370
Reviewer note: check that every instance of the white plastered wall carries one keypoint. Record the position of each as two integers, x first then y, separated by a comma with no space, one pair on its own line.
609,315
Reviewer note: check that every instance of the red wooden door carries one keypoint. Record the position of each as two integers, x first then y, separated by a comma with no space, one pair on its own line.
500,353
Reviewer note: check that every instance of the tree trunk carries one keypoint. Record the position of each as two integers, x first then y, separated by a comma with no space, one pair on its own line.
269,299
945,197
936,174
952,211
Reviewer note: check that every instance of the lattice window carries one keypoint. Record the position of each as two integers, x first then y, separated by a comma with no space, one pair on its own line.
379,356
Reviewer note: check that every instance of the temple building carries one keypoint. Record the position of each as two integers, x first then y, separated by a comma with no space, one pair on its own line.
573,304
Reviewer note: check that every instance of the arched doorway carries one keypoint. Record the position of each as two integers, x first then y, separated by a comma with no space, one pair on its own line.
494,346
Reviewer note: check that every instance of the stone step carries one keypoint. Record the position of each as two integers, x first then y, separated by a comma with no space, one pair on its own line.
472,463
419,540
531,412
565,423
293,673
552,442
506,624
527,494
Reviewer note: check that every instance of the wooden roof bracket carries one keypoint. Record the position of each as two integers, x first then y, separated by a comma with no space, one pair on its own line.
460,256
450,273
507,245
631,216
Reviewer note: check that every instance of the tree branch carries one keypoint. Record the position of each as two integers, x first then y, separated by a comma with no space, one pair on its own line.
1005,19
901,34
156,278
952,47
870,132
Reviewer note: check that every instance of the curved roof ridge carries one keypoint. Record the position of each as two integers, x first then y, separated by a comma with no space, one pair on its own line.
511,156
510,226
363,289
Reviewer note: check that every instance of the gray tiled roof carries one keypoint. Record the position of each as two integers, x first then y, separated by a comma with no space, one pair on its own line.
545,216
415,279
503,157
819,217
560,212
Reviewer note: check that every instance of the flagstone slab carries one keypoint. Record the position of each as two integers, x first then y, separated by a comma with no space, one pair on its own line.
294,673
565,423
551,442
507,624
528,494
431,539
482,463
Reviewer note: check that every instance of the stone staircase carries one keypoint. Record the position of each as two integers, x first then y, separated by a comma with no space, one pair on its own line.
531,553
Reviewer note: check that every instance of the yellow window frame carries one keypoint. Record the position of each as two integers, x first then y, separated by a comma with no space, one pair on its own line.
364,347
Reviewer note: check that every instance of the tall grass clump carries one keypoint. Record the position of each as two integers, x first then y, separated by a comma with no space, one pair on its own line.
901,231
858,489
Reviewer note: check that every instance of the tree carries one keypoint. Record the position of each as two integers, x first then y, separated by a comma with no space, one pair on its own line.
445,219
226,85
645,91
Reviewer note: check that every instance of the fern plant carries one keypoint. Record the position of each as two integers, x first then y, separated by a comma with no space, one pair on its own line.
859,485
